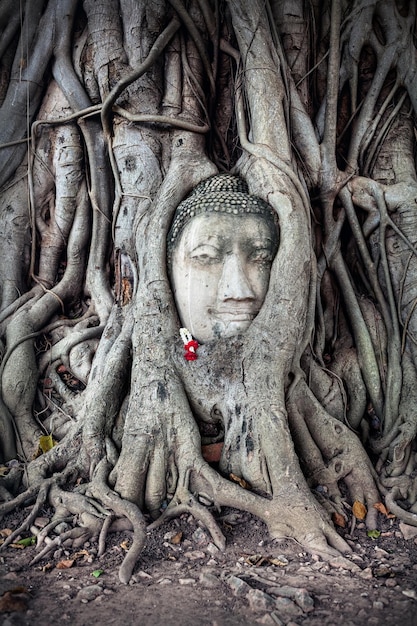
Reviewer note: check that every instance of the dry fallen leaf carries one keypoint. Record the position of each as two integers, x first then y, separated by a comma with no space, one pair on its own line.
256,559
176,538
280,561
359,510
5,532
212,452
379,506
259,559
47,567
125,545
241,481
338,520
79,554
65,564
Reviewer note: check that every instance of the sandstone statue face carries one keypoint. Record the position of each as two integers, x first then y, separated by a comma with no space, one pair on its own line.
220,272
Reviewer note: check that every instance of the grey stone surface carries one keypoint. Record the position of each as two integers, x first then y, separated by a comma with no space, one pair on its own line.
89,593
238,586
260,601
208,580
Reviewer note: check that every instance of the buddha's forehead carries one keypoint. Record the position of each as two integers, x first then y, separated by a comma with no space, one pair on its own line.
224,227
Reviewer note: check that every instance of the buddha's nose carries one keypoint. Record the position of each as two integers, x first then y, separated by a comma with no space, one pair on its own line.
234,283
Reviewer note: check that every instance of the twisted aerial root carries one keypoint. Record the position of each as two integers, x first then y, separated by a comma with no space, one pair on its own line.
103,534
42,535
122,508
65,539
285,514
40,501
393,507
40,486
184,502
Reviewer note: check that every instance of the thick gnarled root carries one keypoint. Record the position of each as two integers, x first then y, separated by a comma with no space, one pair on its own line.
332,453
292,514
185,502
121,508
308,525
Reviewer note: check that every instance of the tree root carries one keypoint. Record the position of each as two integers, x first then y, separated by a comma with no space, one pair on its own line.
42,485
305,522
392,506
184,502
66,539
42,535
121,508
40,501
337,452
97,508
103,534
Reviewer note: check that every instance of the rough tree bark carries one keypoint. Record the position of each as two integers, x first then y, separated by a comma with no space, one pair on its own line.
112,111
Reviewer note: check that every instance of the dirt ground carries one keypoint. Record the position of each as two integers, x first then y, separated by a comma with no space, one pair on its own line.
182,579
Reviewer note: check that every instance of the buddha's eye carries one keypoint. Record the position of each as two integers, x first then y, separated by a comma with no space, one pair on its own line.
261,255
205,259
206,255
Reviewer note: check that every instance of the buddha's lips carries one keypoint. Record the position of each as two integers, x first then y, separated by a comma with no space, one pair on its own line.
234,315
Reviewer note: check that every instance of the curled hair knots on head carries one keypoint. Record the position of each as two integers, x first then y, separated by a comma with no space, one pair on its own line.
221,193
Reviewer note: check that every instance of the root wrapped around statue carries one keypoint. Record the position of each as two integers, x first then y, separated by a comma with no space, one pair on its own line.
208,294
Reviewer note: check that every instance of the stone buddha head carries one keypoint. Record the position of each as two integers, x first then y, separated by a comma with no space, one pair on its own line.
220,249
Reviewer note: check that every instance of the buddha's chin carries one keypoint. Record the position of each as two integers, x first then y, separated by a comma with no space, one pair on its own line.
229,328
220,328
234,328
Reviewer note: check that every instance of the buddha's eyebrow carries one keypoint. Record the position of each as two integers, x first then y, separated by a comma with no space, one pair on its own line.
208,240
204,244
259,241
